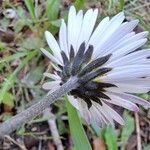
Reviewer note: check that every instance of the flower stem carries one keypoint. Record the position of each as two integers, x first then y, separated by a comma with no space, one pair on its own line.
16,121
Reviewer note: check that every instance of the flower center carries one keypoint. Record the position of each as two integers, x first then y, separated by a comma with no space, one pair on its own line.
86,69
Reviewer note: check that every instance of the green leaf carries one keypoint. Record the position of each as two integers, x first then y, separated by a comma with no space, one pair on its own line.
110,138
145,96
52,9
8,99
21,130
128,128
79,137
79,4
56,23
30,6
122,4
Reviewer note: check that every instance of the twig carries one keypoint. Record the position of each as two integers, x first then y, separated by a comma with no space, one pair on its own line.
139,146
12,124
53,129
22,147
40,145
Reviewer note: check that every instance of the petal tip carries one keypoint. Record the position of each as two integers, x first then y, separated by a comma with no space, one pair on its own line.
42,50
136,21
46,32
122,122
136,109
72,8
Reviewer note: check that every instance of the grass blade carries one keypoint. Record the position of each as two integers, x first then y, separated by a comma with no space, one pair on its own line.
110,138
9,81
52,9
79,137
128,128
30,6
79,4
122,4
13,57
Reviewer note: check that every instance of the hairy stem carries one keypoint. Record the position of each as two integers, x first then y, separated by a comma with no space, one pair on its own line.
12,124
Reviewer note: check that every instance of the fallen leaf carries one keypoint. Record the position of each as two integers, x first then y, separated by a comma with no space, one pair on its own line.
50,146
98,144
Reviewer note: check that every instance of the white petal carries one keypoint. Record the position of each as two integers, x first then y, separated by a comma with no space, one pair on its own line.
113,114
73,101
53,45
128,89
63,38
133,58
112,26
98,31
87,26
121,102
122,33
141,82
104,114
128,48
127,72
131,40
52,76
97,117
134,85
50,56
128,41
133,99
77,29
71,20
56,67
85,113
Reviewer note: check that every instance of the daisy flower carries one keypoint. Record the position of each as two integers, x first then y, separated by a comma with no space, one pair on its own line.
107,60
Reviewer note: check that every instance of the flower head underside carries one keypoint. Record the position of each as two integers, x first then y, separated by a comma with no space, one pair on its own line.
108,61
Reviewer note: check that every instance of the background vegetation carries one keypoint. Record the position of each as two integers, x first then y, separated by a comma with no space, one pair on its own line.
22,26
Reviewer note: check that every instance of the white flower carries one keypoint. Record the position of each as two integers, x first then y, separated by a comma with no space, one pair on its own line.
106,61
